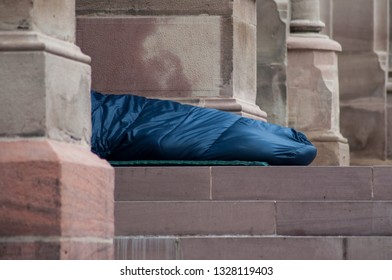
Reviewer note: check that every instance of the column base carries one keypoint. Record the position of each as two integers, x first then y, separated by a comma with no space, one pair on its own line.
56,201
332,149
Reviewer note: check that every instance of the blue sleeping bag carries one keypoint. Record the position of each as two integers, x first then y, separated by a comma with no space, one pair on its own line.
129,127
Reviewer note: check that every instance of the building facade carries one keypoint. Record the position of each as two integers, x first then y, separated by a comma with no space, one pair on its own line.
320,66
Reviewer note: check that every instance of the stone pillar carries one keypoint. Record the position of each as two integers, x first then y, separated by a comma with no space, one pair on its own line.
56,197
313,85
199,52
389,88
362,30
272,32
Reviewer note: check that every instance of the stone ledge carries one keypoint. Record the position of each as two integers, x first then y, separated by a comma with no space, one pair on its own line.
306,42
163,183
11,41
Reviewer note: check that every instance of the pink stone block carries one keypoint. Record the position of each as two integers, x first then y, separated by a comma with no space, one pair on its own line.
369,248
148,56
261,248
334,218
162,183
55,250
87,187
30,251
190,218
382,183
30,189
88,250
50,188
291,183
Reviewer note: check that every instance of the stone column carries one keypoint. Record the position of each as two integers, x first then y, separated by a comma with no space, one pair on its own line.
56,197
389,87
199,52
313,85
361,27
272,32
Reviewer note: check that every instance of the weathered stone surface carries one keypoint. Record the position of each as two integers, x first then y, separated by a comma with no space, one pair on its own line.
189,218
382,181
94,249
30,250
244,59
146,248
55,18
162,183
86,192
314,90
54,189
267,183
353,24
155,7
52,249
369,248
334,218
150,58
326,16
217,61
272,32
261,248
363,99
49,92
305,16
314,96
332,153
31,120
362,29
30,189
389,125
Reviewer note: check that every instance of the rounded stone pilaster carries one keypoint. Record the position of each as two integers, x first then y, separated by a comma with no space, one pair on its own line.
305,16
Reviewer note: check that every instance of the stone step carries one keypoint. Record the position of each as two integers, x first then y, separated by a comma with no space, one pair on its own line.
254,207
253,183
253,248
254,217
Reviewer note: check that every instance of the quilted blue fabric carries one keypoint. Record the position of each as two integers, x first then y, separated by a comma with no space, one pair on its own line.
128,127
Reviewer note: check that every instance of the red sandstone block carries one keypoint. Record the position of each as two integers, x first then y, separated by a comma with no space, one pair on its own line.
30,186
189,218
86,193
30,251
382,180
87,250
55,250
54,189
291,183
261,248
334,218
162,183
163,65
369,248
146,248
